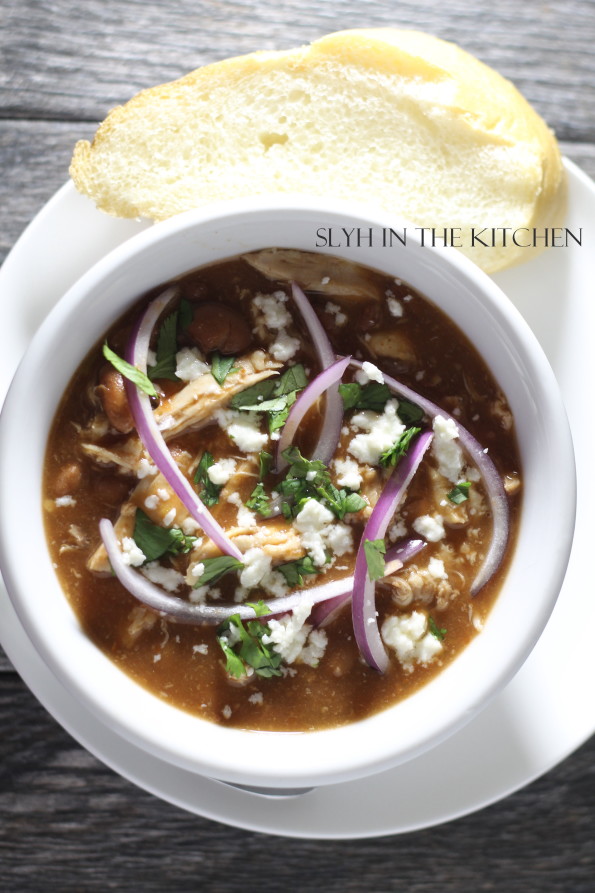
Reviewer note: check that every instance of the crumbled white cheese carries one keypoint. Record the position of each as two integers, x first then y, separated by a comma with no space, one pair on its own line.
243,428
220,472
200,649
311,522
436,569
152,501
145,468
246,518
272,307
190,364
132,555
397,531
408,635
62,501
156,658
257,564
190,526
226,712
472,474
163,494
275,584
348,473
395,308
335,311
198,596
382,432
256,698
369,372
446,451
293,638
166,577
196,570
169,518
431,527
339,538
284,347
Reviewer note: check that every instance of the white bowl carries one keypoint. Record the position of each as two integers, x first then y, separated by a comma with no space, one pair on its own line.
274,760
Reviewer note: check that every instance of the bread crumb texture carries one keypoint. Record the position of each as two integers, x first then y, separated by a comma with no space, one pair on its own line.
398,118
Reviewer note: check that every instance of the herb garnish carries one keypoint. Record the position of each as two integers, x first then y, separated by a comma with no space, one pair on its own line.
274,396
215,568
130,372
155,541
221,367
391,456
310,479
373,396
460,493
375,551
167,347
209,493
433,628
294,571
260,502
243,646
265,461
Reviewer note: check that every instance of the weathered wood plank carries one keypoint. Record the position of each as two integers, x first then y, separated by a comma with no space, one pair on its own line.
66,60
70,824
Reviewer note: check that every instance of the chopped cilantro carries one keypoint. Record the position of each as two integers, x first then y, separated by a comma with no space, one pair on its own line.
274,396
391,456
310,478
215,568
260,502
155,541
265,461
209,493
294,571
372,396
409,413
221,367
375,551
460,493
439,633
130,372
167,347
243,646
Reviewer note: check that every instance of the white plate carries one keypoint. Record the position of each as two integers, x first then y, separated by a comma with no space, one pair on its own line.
541,717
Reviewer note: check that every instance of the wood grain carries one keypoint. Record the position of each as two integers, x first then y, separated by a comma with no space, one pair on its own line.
68,823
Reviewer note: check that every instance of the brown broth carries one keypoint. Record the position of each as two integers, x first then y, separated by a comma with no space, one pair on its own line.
166,657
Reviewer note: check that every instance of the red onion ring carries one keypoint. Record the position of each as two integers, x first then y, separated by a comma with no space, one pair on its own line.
150,435
325,611
333,405
489,474
323,381
365,624
183,611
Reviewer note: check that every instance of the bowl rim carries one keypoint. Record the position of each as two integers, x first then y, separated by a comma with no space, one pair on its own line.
338,764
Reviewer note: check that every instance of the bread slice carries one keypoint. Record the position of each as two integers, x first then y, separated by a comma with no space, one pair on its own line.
394,117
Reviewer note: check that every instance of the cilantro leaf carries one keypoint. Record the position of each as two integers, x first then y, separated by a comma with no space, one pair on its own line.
460,493
310,478
221,367
167,347
243,645
260,502
373,396
294,571
391,456
273,395
209,493
215,568
133,374
433,628
293,379
409,413
375,551
155,541
265,461
255,394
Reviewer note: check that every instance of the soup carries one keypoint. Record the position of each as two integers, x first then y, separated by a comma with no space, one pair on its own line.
282,491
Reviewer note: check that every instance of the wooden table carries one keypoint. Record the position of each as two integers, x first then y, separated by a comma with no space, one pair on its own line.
69,823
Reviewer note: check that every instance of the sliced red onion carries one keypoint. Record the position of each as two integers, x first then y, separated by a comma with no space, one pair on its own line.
183,611
325,611
365,623
150,435
489,474
325,380
333,404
